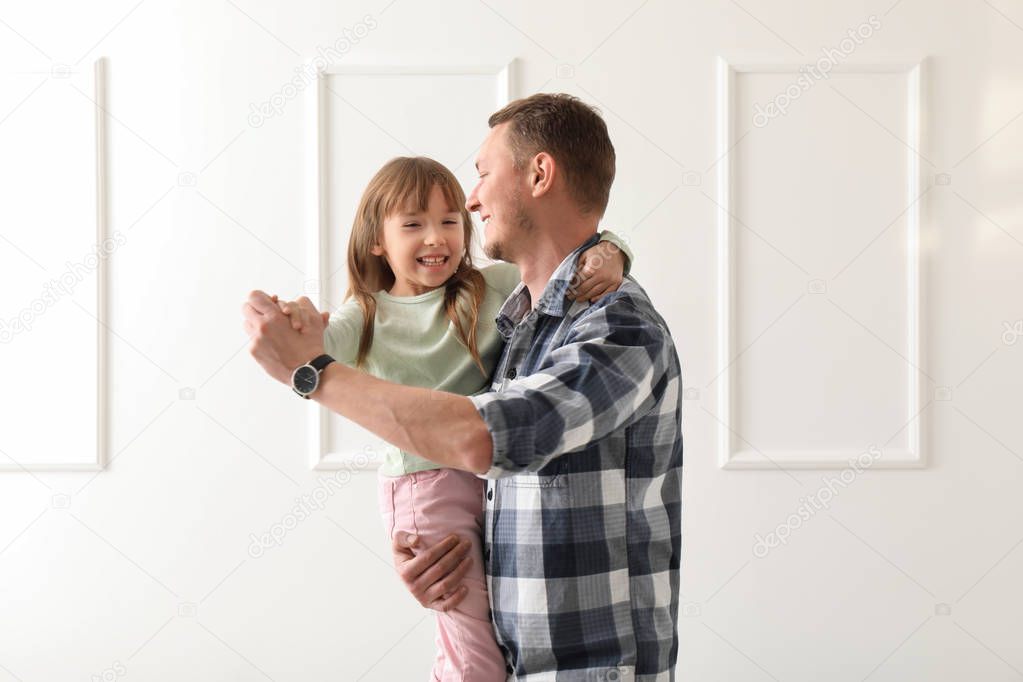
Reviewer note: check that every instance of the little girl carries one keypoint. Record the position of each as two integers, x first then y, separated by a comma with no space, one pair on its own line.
418,313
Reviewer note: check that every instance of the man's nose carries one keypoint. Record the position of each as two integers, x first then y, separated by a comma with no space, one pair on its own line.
472,203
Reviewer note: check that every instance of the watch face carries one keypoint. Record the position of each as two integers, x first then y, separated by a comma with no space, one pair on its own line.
305,379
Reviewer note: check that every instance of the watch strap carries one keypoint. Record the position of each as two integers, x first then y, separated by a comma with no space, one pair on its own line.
321,361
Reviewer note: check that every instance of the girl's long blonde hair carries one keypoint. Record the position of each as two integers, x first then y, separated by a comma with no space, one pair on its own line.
403,182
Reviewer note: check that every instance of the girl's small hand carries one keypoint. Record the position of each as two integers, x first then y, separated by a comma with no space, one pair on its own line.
290,308
601,270
284,309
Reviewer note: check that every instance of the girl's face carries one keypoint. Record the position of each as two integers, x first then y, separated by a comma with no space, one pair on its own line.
423,248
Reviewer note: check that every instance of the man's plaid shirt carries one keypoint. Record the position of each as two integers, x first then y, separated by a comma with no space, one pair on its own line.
583,537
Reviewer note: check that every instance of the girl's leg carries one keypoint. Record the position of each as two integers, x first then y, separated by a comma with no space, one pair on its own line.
433,504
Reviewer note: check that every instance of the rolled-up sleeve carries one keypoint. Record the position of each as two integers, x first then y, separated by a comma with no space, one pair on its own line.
609,372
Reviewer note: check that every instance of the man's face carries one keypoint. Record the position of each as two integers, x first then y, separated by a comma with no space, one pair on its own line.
498,197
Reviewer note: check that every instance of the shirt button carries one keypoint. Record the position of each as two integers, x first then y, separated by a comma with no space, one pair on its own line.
511,373
486,554
508,668
490,494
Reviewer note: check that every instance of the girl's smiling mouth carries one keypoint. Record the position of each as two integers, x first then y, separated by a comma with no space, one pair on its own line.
432,261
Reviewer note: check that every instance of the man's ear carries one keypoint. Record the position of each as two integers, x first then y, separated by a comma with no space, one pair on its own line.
542,172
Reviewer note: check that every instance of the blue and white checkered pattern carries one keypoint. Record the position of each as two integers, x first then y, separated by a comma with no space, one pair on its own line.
583,537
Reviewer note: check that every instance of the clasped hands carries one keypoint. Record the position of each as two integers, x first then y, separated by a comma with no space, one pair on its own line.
285,335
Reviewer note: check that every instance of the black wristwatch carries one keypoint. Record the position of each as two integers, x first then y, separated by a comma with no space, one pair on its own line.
306,379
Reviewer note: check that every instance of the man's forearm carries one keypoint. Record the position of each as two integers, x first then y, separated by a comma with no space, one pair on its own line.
442,427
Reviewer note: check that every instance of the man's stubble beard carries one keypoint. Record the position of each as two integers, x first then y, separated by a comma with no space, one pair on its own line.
520,226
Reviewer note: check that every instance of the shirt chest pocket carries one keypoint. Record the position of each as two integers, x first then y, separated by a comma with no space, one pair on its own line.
551,476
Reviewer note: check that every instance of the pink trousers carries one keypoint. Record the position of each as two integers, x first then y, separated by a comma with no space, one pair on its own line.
432,504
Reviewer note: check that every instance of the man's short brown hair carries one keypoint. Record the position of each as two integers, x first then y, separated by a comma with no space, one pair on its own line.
573,133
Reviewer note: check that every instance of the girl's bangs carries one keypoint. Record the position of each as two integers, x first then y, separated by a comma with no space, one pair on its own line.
410,190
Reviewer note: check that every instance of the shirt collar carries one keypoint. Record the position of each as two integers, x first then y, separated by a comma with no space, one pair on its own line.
552,301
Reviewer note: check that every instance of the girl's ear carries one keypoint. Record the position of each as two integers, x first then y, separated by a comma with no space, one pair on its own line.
377,250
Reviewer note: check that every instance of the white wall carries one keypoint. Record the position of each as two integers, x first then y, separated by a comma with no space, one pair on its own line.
145,569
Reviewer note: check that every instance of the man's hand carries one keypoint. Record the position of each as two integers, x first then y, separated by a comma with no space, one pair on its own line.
601,270
276,344
434,575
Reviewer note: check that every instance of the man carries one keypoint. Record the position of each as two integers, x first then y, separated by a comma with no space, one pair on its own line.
579,439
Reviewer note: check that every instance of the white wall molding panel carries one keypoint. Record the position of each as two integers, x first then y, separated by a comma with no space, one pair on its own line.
53,266
820,264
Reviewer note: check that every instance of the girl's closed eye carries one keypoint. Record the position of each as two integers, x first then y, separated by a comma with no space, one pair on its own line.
446,222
